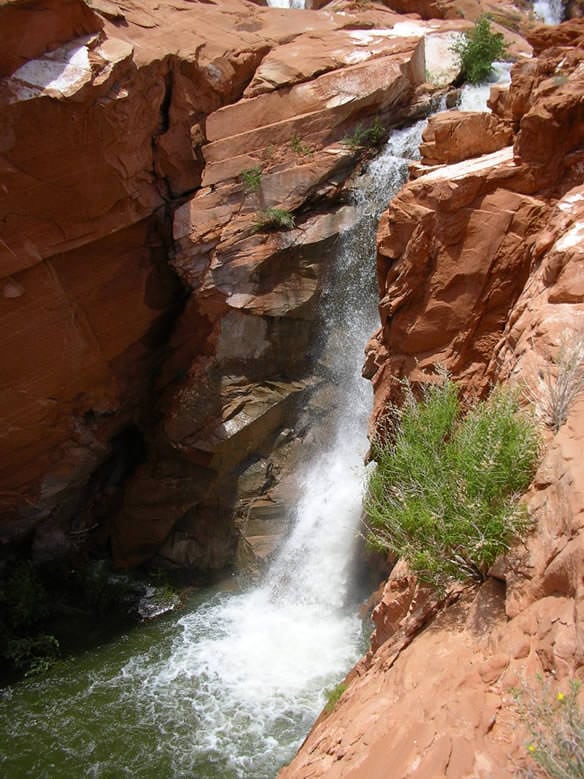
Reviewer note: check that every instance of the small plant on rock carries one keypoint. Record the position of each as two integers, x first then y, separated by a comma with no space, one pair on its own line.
556,729
298,147
555,389
333,695
366,136
251,178
445,493
274,219
477,49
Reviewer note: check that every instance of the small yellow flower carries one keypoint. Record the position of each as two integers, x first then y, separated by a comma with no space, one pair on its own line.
560,696
531,748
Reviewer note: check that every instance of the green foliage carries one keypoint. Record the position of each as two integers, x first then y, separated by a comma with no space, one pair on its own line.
366,137
24,605
477,49
556,728
33,654
333,695
251,178
298,147
445,493
274,219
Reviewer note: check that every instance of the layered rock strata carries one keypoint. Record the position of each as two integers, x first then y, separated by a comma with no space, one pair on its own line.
156,341
480,270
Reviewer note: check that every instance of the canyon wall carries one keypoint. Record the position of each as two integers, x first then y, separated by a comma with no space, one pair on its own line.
480,270
157,340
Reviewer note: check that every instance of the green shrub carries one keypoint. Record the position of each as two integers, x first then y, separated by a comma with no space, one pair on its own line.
251,178
556,728
298,147
333,695
274,219
445,492
477,49
366,136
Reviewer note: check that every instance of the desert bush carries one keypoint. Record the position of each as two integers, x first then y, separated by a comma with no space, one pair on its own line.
366,136
24,599
299,147
555,389
274,219
556,728
31,654
445,493
251,178
477,49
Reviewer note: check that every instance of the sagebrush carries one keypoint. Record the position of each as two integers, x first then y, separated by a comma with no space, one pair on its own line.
445,493
555,724
477,49
251,178
554,389
366,136
274,219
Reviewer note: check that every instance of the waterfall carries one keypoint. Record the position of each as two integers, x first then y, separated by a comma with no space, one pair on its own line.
473,97
261,659
286,3
229,690
550,11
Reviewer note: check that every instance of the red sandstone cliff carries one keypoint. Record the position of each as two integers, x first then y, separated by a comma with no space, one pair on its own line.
154,344
480,269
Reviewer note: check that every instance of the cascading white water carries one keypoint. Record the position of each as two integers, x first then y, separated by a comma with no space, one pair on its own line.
550,11
259,661
473,97
286,3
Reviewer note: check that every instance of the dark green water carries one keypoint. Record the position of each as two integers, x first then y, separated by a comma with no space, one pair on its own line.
88,711
224,689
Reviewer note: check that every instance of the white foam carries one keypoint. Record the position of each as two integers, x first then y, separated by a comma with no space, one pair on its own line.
550,11
286,3
474,97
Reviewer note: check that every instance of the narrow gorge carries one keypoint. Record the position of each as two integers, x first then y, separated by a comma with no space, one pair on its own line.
208,208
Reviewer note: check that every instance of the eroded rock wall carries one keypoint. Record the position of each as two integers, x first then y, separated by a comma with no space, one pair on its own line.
156,342
479,269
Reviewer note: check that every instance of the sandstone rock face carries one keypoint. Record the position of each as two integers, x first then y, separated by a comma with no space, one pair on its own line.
51,24
453,136
479,269
156,341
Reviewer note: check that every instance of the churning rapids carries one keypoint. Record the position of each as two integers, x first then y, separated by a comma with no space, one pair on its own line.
229,689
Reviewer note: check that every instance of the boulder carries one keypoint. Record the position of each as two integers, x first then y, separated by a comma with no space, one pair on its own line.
453,136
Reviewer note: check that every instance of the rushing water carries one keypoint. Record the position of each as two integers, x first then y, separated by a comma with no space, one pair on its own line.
473,97
550,11
229,689
286,3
